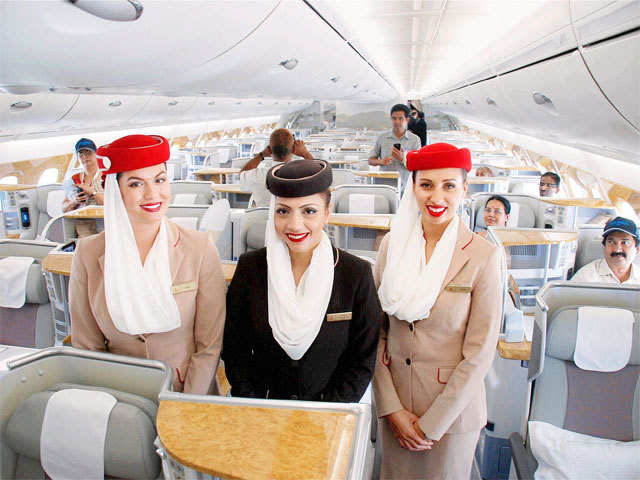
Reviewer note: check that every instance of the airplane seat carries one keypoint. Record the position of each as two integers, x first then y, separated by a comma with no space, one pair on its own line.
342,176
522,215
589,245
31,324
582,386
240,162
49,205
191,193
51,387
254,226
385,197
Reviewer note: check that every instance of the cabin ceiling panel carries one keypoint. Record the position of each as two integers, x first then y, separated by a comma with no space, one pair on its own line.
253,67
101,110
84,50
24,112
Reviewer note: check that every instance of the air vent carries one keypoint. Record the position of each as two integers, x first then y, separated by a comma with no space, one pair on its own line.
467,101
22,105
356,85
335,79
491,101
289,64
172,103
540,98
115,104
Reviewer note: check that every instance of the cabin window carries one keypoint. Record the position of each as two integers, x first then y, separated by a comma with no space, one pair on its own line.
50,175
9,180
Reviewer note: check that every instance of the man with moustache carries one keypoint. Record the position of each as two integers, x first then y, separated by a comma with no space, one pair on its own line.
620,241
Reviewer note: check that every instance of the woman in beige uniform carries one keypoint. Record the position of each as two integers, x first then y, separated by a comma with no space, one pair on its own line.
146,287
439,285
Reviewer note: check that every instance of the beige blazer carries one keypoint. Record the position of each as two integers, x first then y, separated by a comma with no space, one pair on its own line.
435,368
193,349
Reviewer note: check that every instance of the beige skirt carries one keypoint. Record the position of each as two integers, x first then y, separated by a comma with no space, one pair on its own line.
451,458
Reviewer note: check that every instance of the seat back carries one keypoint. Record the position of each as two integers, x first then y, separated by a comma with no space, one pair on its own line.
191,193
32,324
594,403
385,197
254,226
49,205
589,245
187,216
240,162
29,383
524,211
342,176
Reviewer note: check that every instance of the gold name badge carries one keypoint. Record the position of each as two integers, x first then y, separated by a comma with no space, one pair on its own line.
183,287
458,288
336,317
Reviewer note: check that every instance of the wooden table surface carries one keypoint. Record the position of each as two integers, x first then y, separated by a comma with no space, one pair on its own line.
6,187
514,350
243,442
487,180
229,188
60,263
378,174
217,171
375,222
86,212
534,237
579,202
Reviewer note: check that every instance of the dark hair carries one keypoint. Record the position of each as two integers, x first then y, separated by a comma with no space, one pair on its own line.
421,115
462,170
327,197
399,107
504,201
119,174
280,151
281,142
555,176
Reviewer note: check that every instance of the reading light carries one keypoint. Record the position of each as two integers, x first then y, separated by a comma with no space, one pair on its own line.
20,105
115,10
289,64
540,98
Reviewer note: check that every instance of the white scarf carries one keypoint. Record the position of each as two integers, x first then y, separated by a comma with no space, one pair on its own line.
139,298
410,286
296,313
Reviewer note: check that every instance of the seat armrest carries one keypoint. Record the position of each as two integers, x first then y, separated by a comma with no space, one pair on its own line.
522,457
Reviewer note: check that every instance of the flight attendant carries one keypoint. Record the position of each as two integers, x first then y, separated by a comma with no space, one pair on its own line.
439,285
303,317
146,287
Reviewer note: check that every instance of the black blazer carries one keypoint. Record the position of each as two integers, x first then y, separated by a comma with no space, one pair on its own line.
338,365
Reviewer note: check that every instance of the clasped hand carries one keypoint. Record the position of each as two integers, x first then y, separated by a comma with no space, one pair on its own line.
408,432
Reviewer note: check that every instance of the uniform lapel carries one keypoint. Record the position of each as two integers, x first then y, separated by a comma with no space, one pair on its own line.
460,256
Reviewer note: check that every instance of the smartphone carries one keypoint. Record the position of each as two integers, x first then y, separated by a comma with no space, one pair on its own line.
69,247
398,146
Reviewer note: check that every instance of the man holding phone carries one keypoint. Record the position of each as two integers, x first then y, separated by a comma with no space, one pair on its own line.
390,149
84,188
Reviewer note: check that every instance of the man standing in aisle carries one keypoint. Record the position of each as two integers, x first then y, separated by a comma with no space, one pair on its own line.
390,149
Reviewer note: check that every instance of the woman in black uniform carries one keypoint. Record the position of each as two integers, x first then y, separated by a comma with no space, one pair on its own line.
303,317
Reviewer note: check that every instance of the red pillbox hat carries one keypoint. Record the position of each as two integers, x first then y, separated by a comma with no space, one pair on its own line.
439,155
133,152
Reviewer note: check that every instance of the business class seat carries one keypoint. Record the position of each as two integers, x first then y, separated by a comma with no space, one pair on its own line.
385,198
595,403
29,384
191,193
589,245
32,324
254,226
522,215
343,176
49,205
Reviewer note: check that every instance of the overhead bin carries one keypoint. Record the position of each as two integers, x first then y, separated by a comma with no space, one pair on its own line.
323,65
102,110
161,109
598,20
557,100
84,50
615,66
25,112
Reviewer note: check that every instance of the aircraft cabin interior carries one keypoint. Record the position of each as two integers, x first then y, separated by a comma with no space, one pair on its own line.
528,355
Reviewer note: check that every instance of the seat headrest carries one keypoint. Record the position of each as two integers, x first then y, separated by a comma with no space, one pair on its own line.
381,204
256,235
36,288
128,452
522,216
562,334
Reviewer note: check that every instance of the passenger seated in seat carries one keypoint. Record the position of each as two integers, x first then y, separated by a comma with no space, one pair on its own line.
303,317
484,172
549,184
146,287
85,188
496,214
620,244
282,147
